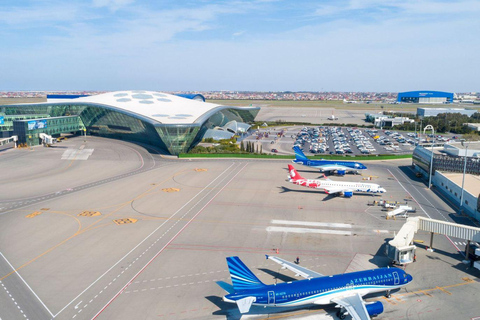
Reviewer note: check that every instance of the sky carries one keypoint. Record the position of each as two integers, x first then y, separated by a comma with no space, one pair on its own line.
257,45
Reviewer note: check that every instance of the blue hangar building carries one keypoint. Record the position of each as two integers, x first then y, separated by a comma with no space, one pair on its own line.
171,123
425,97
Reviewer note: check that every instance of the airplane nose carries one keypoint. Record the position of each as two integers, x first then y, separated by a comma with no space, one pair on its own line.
409,278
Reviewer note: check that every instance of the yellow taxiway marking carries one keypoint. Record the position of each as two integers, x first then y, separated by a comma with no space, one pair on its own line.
89,214
200,169
170,190
442,289
44,209
125,221
33,215
81,230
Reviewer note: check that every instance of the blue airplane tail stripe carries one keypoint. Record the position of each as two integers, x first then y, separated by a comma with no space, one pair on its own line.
299,155
242,277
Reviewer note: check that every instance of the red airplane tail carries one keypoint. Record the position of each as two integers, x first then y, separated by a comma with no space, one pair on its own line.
293,173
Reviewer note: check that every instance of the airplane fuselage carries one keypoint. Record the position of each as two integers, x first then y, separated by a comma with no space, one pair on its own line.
353,186
323,289
323,164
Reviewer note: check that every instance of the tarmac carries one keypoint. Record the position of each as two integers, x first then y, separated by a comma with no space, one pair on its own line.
116,232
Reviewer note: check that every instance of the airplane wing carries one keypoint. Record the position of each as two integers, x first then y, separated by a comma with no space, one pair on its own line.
334,190
299,271
354,305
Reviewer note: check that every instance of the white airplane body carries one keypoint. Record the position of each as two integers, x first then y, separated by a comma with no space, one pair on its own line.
345,189
332,117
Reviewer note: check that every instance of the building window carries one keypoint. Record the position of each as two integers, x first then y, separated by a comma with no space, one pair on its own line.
466,202
455,194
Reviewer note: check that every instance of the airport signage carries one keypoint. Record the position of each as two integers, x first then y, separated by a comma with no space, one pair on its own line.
2,120
37,124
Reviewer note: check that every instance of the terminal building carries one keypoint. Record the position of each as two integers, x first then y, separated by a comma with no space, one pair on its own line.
425,97
449,164
171,123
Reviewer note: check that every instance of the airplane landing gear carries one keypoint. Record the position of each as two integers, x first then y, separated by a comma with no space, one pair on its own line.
387,294
341,314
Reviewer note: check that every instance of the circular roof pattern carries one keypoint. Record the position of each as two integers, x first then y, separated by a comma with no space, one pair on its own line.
142,96
156,107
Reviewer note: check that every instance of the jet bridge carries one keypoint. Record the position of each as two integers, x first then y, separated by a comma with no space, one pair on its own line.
401,249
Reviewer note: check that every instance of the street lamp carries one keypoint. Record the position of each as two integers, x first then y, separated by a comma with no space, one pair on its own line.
431,159
464,170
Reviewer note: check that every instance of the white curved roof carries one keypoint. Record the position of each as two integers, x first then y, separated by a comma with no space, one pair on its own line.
162,107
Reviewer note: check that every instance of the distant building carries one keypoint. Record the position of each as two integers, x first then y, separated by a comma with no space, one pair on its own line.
431,112
457,149
425,97
473,126
391,122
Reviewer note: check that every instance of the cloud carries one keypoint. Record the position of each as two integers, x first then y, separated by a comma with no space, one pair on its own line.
112,4
239,33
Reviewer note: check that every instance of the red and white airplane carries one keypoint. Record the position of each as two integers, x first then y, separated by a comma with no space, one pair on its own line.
331,187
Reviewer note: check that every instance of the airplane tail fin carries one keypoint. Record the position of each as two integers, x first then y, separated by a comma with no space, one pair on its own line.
299,155
242,277
293,173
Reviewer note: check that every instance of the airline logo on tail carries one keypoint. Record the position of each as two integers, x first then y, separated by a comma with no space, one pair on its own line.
293,173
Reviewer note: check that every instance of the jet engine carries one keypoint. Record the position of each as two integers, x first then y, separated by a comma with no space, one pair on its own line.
341,172
348,194
374,308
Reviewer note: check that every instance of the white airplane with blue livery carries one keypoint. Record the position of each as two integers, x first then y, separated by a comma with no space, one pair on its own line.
344,290
341,167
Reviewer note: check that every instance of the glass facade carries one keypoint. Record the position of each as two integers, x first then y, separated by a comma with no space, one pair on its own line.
106,121
28,131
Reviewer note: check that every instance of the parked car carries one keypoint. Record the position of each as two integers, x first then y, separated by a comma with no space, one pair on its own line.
274,150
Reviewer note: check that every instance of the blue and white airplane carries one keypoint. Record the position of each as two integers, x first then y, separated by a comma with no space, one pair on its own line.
328,165
345,290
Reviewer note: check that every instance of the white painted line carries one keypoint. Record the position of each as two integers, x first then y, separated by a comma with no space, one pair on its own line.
380,231
145,239
176,235
18,274
76,306
312,224
307,230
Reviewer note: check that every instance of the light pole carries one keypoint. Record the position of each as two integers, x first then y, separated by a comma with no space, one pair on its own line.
463,180
431,159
